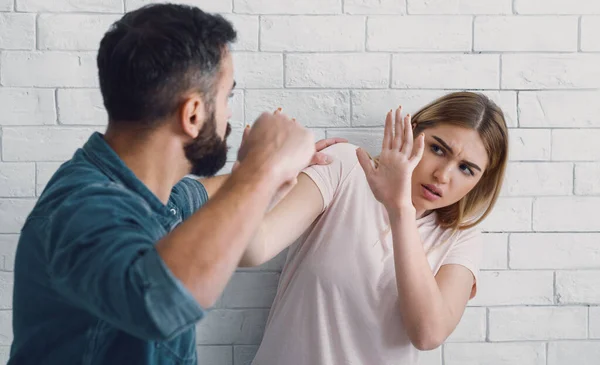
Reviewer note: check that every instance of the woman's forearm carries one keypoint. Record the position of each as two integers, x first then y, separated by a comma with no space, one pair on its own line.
283,224
421,302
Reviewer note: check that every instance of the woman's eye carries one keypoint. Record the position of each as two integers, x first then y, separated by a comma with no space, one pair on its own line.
466,169
437,150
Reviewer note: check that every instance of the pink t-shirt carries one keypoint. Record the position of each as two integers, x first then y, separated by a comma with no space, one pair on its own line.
337,300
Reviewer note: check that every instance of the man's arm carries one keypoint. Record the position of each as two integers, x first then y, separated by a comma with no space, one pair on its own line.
203,251
214,183
103,256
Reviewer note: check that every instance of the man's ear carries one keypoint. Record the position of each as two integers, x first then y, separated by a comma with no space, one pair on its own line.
192,115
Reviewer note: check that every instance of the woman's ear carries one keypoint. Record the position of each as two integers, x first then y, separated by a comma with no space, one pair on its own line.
414,125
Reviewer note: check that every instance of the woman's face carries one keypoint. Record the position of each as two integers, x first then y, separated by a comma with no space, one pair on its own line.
453,162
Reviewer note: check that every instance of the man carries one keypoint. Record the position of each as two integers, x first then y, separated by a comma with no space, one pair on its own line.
117,260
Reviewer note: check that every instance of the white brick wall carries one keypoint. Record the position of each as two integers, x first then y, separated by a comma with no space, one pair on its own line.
338,66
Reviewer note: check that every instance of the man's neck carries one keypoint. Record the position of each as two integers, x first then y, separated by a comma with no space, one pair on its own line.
153,157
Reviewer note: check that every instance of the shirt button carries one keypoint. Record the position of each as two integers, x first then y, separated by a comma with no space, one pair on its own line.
173,211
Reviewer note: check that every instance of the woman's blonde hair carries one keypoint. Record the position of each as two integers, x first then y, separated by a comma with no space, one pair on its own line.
473,111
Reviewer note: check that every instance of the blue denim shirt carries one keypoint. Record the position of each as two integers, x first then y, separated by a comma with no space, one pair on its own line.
90,287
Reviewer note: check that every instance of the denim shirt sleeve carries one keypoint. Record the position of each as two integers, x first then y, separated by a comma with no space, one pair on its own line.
189,195
103,259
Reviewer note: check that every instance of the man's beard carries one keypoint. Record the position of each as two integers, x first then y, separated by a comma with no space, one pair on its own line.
208,152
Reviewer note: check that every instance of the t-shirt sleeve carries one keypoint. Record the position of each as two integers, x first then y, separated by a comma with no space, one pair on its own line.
467,251
329,178
188,195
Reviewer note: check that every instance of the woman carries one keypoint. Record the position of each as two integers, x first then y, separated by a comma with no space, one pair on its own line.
387,253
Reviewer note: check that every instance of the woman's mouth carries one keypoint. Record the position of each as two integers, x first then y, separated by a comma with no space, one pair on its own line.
430,192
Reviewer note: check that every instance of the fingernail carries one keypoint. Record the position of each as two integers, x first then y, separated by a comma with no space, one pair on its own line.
328,159
247,126
279,109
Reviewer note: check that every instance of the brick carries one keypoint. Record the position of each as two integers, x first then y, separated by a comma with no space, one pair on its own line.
495,353
246,27
234,141
578,287
594,322
549,214
507,101
222,355
6,5
459,7
556,71
537,323
510,214
586,178
433,357
8,248
574,7
427,33
287,6
44,172
13,213
573,352
258,70
48,69
361,70
17,179
319,133
495,251
57,6
236,105
516,33
243,355
431,71
312,33
369,107
498,288
374,7
42,143
546,109
226,169
6,292
211,6
4,354
27,106
229,326
538,179
277,262
575,144
590,28
311,108
18,31
554,251
6,333
471,327
55,31
251,289
81,107
529,144
368,139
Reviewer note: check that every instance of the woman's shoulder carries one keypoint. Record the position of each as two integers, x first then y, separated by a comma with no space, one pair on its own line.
343,155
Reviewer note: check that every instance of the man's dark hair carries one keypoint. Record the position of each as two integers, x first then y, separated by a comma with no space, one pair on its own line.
152,55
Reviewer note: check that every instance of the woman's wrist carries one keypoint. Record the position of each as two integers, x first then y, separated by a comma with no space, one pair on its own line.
401,210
